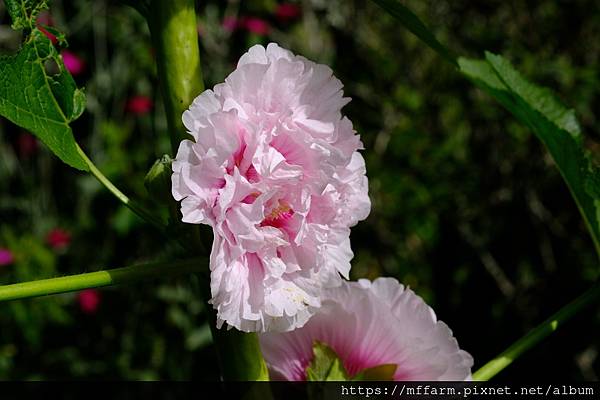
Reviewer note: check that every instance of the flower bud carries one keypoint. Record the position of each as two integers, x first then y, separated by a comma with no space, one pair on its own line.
158,180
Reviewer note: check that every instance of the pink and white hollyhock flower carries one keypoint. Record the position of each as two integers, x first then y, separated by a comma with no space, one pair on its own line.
369,324
274,170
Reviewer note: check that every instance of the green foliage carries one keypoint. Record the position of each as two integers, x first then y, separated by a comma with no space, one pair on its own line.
552,123
325,365
41,101
555,125
32,261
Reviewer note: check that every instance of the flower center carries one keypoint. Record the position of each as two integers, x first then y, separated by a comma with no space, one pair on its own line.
278,215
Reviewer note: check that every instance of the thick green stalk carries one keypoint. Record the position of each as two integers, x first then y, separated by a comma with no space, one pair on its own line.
239,353
108,277
175,36
502,361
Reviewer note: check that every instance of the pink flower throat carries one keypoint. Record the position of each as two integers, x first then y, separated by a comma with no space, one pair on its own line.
278,216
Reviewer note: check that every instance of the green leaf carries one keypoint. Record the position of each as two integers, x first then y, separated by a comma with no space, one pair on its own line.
592,183
592,187
384,372
325,365
39,101
24,12
554,124
539,98
414,24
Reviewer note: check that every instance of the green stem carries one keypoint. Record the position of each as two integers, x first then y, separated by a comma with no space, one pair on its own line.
175,37
72,283
174,33
502,361
239,353
133,205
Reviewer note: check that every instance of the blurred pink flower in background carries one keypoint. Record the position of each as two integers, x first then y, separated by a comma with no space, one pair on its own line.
230,23
256,25
73,63
27,144
58,238
139,105
6,257
369,324
286,12
200,29
89,300
45,19
274,170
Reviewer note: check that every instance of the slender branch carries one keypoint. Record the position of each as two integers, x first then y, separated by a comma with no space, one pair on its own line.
72,283
535,336
133,205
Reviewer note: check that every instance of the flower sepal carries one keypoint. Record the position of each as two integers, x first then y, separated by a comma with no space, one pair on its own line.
158,180
384,372
326,365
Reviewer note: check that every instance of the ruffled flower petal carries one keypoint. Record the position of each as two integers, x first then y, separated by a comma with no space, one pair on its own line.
273,168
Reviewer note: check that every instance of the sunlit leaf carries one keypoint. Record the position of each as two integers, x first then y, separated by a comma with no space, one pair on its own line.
38,94
554,124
